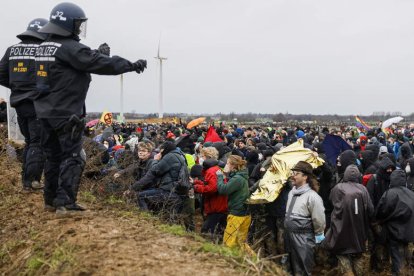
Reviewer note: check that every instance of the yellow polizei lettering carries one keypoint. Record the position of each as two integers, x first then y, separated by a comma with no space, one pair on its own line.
41,74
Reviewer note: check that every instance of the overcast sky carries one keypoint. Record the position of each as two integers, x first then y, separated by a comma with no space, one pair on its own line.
269,56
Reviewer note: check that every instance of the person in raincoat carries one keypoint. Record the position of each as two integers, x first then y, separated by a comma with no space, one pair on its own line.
395,212
304,220
349,229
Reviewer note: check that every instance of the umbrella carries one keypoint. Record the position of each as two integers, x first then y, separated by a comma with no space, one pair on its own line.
195,122
92,123
391,121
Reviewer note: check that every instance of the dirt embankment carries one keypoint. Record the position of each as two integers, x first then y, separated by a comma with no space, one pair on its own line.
108,239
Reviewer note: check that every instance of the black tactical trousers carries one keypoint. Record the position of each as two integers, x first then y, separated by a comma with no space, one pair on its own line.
33,159
64,162
399,256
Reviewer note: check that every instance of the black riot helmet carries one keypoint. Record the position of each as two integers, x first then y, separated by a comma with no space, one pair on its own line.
33,29
66,19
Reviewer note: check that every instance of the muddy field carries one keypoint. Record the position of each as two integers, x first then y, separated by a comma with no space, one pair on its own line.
111,238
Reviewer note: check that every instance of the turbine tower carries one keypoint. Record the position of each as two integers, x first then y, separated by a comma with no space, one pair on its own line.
160,95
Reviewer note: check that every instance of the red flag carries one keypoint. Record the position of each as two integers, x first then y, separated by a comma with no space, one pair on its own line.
212,135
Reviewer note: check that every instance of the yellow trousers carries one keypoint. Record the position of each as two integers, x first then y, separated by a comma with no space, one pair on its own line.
236,231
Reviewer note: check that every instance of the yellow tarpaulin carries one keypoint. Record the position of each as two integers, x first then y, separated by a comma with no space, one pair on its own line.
278,173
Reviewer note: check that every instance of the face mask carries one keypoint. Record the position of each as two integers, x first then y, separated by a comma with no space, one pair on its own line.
408,169
200,161
260,156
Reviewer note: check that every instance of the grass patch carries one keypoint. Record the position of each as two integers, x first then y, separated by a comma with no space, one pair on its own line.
62,256
209,247
177,230
88,197
113,200
33,233
206,246
34,264
7,248
9,201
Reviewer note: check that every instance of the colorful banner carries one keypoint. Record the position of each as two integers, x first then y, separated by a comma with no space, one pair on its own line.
361,124
106,117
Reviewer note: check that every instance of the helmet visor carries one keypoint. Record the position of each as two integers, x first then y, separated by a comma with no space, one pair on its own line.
80,27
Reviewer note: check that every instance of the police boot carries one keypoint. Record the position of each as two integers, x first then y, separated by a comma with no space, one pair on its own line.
36,185
75,207
61,211
69,210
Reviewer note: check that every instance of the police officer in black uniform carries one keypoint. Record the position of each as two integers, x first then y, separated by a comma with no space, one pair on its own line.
63,67
17,72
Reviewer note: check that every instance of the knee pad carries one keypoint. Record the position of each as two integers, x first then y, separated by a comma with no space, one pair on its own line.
34,164
70,175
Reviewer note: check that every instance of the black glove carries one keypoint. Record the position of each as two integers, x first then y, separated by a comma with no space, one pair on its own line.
140,65
104,49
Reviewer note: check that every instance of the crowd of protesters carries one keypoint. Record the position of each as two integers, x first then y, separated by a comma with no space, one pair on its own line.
363,202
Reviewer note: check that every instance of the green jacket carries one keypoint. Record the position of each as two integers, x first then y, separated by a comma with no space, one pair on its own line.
237,189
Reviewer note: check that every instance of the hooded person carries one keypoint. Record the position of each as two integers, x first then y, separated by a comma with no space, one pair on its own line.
377,185
395,212
345,159
374,148
390,156
368,159
252,158
374,141
304,220
409,170
380,182
363,140
383,149
350,219
404,154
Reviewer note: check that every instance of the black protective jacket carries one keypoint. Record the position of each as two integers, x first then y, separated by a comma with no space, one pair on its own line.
380,182
17,69
63,67
395,210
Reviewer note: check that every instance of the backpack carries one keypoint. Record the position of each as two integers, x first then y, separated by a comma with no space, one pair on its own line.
367,177
182,185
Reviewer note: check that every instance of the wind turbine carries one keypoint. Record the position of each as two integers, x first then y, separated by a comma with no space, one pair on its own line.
160,95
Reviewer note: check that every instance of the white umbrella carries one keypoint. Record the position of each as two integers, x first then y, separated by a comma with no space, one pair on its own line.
391,121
